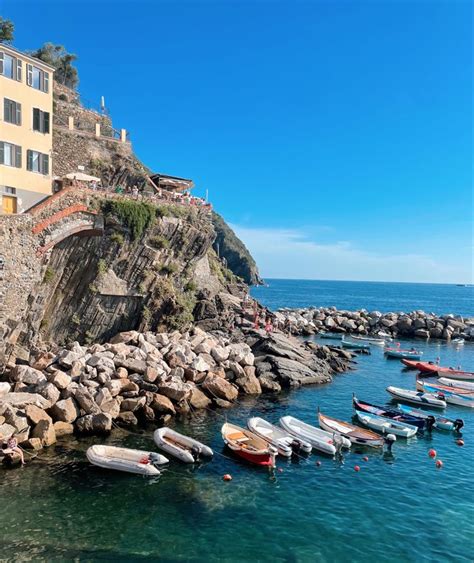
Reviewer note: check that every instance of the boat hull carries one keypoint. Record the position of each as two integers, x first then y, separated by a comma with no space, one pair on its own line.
399,355
184,448
417,397
466,385
389,414
125,460
248,446
356,435
386,425
321,440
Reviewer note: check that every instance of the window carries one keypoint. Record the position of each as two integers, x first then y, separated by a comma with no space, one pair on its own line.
10,155
11,67
11,112
37,78
40,121
37,162
8,190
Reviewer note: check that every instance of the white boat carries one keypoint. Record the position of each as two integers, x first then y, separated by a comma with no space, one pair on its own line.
321,440
386,425
180,446
283,441
417,397
440,422
458,341
371,339
468,385
124,459
355,434
460,397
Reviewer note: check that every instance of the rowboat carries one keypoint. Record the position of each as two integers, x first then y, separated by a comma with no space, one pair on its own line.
403,354
355,434
425,367
385,425
124,459
285,443
248,445
452,395
392,414
325,442
180,446
370,339
469,385
355,345
440,388
332,335
440,422
428,399
435,369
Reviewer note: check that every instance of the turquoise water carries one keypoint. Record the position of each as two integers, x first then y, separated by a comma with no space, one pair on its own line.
382,296
397,508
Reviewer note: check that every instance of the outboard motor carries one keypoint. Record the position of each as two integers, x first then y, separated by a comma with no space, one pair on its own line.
389,440
296,445
196,452
458,424
430,422
154,459
338,443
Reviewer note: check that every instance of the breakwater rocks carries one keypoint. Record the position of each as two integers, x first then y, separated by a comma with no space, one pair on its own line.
415,324
150,377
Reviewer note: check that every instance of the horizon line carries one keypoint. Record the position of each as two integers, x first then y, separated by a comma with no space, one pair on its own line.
463,284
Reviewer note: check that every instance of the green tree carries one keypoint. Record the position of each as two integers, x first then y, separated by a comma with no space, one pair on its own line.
62,61
6,30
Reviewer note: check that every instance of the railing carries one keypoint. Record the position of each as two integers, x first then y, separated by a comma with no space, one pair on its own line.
99,130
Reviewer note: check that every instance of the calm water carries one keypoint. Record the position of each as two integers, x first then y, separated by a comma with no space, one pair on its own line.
398,508
382,296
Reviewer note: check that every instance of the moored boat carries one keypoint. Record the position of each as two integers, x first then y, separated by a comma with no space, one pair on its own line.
180,446
125,459
417,397
248,445
440,388
400,354
321,440
331,335
435,369
392,414
354,345
420,366
355,434
452,395
458,341
440,422
469,385
370,340
285,443
385,425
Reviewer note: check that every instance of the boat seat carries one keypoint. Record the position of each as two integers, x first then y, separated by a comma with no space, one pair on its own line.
238,437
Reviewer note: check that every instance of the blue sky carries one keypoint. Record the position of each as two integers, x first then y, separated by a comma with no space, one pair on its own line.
335,137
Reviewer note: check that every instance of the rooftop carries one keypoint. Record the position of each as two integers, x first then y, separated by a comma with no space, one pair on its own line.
16,52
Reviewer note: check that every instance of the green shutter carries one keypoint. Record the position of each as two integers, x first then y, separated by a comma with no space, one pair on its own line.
29,160
18,157
6,110
36,119
44,164
46,122
29,74
19,68
18,113
45,82
2,153
1,63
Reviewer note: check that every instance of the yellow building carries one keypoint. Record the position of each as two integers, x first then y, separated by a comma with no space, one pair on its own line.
26,121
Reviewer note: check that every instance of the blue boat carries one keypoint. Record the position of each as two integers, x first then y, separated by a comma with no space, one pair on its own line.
440,422
355,345
331,335
391,414
400,354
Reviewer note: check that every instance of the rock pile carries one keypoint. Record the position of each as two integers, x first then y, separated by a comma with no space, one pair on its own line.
415,324
145,377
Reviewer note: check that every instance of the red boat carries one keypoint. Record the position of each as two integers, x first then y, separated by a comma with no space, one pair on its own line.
435,369
425,367
248,445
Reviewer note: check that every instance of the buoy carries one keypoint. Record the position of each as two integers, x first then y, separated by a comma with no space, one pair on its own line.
318,464
356,468
439,463
365,458
460,442
432,453
227,477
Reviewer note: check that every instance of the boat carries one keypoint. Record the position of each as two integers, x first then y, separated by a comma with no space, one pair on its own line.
248,445
285,443
124,459
385,425
355,434
452,395
439,388
440,422
403,354
435,369
355,345
180,446
321,440
370,339
458,341
392,414
332,335
425,367
469,385
418,397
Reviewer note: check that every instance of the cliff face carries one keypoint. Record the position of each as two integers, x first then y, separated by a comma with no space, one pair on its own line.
233,250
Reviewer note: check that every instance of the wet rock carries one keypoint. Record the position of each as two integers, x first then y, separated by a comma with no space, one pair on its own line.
63,428
44,430
268,384
32,444
94,424
162,404
220,388
198,399
127,419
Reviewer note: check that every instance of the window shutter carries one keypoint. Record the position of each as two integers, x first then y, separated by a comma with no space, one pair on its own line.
1,63
29,74
18,157
45,82
36,119
29,160
6,108
2,153
18,114
46,122
45,164
19,70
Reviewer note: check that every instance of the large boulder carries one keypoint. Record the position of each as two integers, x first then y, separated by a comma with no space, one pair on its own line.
21,399
35,414
65,411
49,391
220,388
107,403
132,365
200,364
220,354
162,404
175,389
198,399
133,404
60,379
249,383
422,333
4,388
44,430
86,401
6,431
27,375
94,424
269,384
63,428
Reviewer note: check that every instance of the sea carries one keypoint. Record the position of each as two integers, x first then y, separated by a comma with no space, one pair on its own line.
399,507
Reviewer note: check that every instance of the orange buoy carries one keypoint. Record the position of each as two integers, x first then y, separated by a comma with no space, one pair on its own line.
318,464
460,442
227,477
439,463
356,468
432,453
365,458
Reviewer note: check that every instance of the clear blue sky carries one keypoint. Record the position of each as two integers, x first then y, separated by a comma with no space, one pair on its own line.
336,137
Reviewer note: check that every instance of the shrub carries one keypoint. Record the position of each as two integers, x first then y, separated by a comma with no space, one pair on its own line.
137,216
158,242
190,286
48,275
118,238
63,97
102,267
169,269
75,319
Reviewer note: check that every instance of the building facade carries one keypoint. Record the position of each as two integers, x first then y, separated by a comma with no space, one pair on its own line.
26,139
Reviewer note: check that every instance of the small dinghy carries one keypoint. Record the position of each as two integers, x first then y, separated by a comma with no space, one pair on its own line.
452,395
385,425
355,345
440,422
248,445
417,397
285,443
180,446
385,412
458,341
355,434
331,335
321,440
466,385
370,339
403,354
124,459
